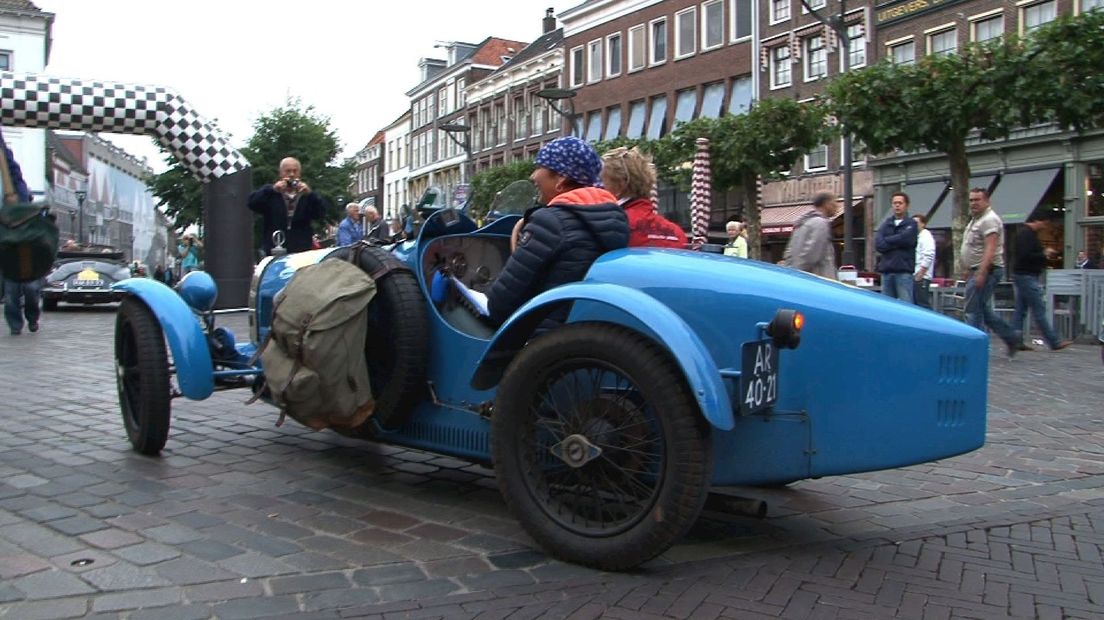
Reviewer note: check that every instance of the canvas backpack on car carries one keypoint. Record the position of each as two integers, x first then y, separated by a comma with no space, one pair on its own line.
314,363
28,235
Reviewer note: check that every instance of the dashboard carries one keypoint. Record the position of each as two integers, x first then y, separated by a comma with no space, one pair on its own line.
475,261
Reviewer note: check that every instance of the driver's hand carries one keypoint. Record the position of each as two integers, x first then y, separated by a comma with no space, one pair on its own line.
514,234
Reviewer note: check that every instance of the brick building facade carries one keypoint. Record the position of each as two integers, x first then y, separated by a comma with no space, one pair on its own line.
368,169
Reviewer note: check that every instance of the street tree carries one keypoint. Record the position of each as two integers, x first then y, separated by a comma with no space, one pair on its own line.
297,130
985,91
178,193
765,142
486,184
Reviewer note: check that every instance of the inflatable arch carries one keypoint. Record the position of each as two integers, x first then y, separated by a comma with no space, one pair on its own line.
39,101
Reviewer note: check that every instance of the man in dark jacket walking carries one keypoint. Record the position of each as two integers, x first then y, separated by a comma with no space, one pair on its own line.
896,242
1027,267
558,243
288,206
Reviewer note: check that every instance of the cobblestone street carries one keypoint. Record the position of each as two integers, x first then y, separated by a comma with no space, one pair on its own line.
241,519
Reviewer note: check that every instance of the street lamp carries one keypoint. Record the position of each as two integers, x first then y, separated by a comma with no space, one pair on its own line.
80,207
552,95
460,128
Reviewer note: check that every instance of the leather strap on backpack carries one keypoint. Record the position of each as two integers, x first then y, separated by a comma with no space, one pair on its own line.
7,186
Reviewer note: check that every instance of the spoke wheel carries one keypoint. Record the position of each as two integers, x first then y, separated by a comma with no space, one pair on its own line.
599,449
142,376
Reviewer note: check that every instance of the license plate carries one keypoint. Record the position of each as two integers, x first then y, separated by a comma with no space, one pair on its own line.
758,376
88,283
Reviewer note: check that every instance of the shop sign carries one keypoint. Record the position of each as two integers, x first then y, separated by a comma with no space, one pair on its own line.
903,9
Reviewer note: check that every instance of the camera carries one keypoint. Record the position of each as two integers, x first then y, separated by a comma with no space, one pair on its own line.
292,183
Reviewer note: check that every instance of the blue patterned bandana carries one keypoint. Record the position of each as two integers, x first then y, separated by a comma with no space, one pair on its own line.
572,158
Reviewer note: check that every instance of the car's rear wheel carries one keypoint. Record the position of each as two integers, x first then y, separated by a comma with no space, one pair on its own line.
142,376
49,305
598,446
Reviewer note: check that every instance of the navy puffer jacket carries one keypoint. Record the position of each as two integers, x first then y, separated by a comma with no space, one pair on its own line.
558,245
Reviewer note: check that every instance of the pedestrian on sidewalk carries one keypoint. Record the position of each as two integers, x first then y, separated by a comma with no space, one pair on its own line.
982,253
896,242
1027,268
810,247
925,263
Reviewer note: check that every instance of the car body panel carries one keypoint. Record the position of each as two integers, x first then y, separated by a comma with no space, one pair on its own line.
182,328
875,383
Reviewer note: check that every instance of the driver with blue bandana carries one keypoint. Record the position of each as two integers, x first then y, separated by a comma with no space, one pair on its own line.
559,241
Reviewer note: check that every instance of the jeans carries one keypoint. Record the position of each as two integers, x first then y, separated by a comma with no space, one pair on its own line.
21,299
898,286
1029,296
979,307
921,293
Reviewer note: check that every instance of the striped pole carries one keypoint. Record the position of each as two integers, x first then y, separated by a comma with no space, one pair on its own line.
701,189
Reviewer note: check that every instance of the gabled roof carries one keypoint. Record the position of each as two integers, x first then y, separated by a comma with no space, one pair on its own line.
546,43
376,139
490,52
62,151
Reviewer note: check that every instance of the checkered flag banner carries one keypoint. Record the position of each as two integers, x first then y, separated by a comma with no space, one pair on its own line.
55,103
701,190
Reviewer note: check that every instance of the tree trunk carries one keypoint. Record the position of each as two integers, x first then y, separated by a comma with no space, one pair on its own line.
751,216
960,181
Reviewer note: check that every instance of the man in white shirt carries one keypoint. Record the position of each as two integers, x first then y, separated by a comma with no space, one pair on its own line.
925,262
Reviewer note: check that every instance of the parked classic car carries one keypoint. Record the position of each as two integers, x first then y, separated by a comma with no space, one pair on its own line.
676,371
84,278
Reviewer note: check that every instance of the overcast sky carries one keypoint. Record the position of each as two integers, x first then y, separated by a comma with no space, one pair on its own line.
234,60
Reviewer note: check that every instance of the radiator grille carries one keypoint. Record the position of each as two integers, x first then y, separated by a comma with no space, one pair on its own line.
950,413
952,369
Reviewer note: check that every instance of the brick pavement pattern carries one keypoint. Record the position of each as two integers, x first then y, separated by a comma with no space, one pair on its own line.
240,519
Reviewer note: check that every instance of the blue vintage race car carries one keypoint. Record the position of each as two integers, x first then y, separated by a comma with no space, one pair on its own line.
675,372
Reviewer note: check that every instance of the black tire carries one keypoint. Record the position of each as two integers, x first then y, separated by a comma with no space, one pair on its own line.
397,346
624,395
49,305
142,376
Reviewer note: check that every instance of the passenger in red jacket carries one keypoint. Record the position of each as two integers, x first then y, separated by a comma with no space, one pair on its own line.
630,175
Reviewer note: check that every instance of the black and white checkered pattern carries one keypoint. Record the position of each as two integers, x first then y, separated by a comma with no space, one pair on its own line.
53,103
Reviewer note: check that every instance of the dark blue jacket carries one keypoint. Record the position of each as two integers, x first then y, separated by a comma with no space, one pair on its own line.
270,204
21,190
558,245
897,245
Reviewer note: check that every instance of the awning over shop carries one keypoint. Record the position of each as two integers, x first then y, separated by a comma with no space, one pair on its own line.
1019,193
780,220
943,216
922,197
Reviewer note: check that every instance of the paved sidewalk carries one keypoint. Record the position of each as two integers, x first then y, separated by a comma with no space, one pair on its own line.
239,519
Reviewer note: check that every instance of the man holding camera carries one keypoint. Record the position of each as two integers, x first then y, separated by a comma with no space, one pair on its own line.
288,206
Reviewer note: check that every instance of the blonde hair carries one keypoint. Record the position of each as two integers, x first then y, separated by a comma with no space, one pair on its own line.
630,169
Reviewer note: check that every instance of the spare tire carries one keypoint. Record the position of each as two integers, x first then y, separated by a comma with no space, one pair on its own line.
397,345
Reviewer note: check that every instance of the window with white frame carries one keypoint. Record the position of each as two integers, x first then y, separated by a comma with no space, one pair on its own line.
431,108
858,152
521,119
594,126
712,100
1089,5
686,32
815,4
739,100
637,50
594,66
657,121
577,67
741,19
943,42
780,66
539,113
987,28
658,41
613,55
613,123
713,29
443,101
816,58
817,159
1034,15
461,92
685,102
779,10
500,125
635,128
857,42
5,60
903,53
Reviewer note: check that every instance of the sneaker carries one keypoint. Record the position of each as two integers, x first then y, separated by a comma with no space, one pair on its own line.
33,327
1062,345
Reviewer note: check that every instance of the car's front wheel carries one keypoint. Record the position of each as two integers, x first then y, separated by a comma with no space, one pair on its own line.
598,446
49,305
142,375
